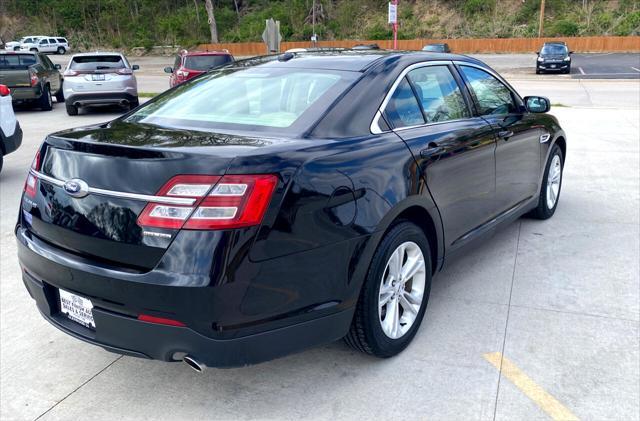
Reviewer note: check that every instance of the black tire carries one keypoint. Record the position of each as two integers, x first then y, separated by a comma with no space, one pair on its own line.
542,211
71,109
568,71
16,48
538,71
61,50
60,95
133,104
366,334
45,102
34,50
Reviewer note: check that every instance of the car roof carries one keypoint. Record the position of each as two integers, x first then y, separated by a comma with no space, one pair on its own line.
347,60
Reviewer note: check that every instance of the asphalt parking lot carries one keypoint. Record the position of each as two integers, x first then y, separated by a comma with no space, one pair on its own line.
540,322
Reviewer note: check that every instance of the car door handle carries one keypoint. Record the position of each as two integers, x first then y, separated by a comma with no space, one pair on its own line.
432,149
505,134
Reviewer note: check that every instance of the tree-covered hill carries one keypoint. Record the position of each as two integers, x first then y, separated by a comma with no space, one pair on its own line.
131,23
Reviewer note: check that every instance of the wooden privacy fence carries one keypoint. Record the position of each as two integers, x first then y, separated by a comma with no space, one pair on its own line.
480,45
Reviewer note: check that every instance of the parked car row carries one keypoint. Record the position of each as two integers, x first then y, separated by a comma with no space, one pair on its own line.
39,44
89,79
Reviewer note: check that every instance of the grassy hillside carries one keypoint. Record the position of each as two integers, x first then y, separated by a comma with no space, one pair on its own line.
131,23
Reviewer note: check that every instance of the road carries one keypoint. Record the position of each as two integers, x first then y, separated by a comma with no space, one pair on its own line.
558,299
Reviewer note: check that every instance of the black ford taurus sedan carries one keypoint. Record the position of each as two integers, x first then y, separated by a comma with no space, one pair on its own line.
280,203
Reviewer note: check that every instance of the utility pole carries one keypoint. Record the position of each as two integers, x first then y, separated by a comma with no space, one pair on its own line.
541,26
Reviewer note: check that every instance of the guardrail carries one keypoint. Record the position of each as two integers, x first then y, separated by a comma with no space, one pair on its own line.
629,44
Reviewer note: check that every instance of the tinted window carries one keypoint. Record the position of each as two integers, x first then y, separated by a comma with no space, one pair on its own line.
62,40
45,60
403,109
16,61
52,40
176,63
435,48
44,41
247,99
492,96
438,93
205,62
97,62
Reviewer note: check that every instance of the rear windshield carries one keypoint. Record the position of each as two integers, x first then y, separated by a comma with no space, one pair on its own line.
16,61
260,99
438,48
554,49
205,62
97,63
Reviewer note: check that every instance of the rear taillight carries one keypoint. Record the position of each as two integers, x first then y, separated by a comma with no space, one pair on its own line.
125,71
33,77
4,91
231,201
160,320
32,180
70,73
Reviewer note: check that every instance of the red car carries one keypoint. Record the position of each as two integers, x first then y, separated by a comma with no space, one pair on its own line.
191,64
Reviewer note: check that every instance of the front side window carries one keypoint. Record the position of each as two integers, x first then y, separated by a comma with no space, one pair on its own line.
403,109
438,93
492,96
246,99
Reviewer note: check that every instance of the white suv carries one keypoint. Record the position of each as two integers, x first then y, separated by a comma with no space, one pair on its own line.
56,45
10,131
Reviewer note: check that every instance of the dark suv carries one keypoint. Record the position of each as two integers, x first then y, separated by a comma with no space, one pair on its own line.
281,203
554,57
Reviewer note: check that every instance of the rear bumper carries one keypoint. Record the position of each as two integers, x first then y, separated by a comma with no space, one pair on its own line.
98,98
13,142
118,330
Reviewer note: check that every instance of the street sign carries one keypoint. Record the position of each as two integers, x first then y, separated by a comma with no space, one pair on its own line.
393,13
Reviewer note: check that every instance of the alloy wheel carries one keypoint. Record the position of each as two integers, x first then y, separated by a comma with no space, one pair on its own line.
553,181
401,290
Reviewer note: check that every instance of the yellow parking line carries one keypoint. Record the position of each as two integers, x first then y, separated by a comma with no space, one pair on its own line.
541,397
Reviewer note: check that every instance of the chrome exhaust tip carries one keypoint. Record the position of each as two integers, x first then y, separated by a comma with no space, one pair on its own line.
194,364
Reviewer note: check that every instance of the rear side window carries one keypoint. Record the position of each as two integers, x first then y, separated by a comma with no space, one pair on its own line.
403,109
491,95
16,61
43,42
206,62
438,93
88,63
62,40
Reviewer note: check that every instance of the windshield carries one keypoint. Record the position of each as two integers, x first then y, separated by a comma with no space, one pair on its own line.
438,48
555,50
205,62
16,61
97,63
247,99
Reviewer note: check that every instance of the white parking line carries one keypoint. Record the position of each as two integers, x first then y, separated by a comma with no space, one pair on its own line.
581,71
635,68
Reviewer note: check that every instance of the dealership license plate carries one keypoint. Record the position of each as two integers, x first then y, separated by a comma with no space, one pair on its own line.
77,309
553,66
97,77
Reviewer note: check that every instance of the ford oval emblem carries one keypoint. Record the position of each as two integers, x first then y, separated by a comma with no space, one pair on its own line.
76,188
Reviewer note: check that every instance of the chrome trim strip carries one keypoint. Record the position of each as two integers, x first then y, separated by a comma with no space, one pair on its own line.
123,195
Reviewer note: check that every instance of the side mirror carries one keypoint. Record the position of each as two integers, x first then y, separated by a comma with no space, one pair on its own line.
538,52
168,69
537,104
135,67
57,66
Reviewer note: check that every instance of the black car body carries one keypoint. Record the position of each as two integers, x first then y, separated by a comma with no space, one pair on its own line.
554,57
335,183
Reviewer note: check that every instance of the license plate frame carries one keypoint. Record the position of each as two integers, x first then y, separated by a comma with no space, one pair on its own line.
77,309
